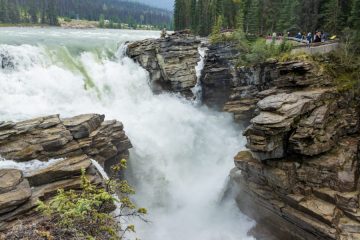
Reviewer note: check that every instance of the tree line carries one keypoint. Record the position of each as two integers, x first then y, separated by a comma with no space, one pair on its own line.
48,11
262,17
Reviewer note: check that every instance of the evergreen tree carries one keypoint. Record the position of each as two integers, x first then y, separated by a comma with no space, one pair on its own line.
102,21
43,12
216,31
355,15
180,15
53,20
240,16
193,17
33,12
201,15
4,17
332,16
14,11
219,7
287,19
253,18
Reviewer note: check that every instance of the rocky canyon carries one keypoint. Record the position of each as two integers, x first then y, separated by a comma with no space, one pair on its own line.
298,177
300,174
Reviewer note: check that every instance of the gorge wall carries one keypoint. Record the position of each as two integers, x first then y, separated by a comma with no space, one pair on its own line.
300,174
47,154
170,61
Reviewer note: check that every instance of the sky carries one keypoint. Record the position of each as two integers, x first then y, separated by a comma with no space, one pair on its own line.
167,4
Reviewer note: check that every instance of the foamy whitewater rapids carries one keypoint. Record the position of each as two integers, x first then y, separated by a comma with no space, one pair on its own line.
182,152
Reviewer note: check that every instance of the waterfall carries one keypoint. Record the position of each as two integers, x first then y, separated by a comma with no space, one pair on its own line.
197,90
182,152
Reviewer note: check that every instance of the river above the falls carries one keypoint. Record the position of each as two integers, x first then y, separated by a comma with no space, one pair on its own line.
182,152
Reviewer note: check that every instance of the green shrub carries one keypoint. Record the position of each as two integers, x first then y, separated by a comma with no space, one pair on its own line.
86,214
345,69
67,19
259,51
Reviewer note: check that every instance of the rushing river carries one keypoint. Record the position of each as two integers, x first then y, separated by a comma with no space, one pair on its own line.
182,152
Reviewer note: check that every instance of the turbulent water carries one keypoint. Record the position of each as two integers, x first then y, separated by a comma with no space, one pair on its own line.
182,151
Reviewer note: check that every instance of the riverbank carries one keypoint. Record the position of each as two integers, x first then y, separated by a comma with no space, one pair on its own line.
81,24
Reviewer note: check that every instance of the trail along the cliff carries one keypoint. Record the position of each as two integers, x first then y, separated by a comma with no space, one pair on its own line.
182,152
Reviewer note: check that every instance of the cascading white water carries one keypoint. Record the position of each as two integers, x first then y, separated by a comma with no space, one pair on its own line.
182,152
197,91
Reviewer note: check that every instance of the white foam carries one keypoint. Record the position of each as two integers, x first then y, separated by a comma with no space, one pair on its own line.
182,152
28,166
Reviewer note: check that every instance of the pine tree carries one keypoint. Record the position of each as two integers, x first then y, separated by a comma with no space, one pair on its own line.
201,20
180,15
33,12
14,12
283,19
102,21
253,19
332,16
240,16
216,30
53,20
193,17
43,12
355,15
4,11
219,7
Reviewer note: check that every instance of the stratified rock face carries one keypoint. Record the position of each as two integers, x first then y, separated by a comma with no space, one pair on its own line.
237,89
64,147
302,166
170,61
307,122
219,74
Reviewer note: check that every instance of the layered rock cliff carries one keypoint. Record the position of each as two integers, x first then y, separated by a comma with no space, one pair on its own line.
170,61
47,154
301,171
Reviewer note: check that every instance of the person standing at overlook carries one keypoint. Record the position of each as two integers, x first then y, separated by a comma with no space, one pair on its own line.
317,38
309,39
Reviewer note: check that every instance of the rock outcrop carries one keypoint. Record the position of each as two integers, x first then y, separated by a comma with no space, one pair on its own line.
170,61
225,86
47,154
301,171
219,74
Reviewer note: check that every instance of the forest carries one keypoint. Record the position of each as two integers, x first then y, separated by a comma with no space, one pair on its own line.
48,11
263,17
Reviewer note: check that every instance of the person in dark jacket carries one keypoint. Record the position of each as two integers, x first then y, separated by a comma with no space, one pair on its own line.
317,37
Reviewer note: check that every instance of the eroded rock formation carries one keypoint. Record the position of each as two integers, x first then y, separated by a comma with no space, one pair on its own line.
219,74
170,61
301,171
48,153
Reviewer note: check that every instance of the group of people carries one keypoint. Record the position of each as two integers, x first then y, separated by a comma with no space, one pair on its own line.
318,37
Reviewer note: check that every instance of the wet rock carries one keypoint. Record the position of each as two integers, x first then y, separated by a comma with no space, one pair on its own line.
219,74
6,60
74,142
66,168
170,61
